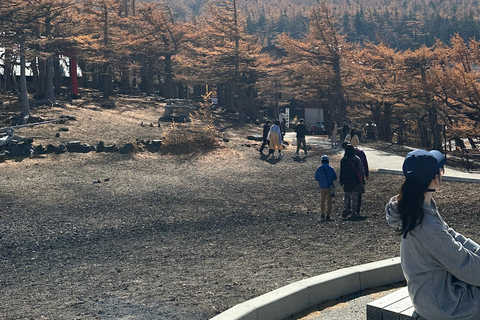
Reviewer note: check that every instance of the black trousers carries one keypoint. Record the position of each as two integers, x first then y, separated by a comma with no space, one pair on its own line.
264,143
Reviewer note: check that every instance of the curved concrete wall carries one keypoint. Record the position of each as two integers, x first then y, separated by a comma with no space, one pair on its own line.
298,296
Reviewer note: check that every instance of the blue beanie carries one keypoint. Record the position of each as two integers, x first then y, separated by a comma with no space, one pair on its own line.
423,165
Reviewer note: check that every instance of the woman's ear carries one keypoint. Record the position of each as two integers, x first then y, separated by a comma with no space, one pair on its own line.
434,183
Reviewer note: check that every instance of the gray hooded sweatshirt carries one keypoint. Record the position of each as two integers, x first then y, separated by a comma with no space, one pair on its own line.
441,266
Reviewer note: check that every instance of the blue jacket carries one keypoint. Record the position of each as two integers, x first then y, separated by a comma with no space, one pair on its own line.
324,181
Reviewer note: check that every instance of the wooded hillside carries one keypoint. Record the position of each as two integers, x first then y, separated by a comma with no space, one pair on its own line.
410,67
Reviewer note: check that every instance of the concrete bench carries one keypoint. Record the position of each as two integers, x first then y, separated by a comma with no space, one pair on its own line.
394,306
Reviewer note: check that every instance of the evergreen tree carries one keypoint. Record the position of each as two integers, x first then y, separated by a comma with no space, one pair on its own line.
160,36
317,63
224,55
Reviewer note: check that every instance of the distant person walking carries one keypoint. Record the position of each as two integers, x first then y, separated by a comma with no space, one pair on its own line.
345,130
266,130
275,138
301,131
352,179
333,135
352,138
325,175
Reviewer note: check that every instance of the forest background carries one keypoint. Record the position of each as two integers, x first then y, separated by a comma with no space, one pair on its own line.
409,67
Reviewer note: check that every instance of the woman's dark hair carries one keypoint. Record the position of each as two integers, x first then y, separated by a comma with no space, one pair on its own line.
352,133
277,122
410,205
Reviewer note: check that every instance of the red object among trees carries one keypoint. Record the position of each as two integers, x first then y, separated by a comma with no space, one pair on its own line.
74,76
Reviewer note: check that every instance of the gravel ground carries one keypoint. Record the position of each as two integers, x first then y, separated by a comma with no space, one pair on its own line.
160,236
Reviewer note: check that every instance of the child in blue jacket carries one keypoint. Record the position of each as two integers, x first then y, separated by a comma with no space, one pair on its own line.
325,175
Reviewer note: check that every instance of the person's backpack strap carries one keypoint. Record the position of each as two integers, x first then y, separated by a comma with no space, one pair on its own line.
360,178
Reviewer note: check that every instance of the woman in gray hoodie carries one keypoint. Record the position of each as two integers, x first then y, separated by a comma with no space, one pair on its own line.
441,266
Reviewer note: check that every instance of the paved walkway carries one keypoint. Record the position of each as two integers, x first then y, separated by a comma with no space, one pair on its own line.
352,307
387,162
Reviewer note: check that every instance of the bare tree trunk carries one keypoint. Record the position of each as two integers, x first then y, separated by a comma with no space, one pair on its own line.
40,85
58,75
34,67
341,109
229,98
107,82
435,128
424,138
23,98
168,77
49,76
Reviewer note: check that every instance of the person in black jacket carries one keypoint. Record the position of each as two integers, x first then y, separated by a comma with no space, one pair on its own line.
266,129
301,131
352,178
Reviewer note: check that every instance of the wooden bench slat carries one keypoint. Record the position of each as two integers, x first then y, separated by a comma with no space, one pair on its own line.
393,311
390,298
394,306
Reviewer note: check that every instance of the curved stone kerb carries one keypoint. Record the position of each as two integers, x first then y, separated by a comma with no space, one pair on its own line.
298,296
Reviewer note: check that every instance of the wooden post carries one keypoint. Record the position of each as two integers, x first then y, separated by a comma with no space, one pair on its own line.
74,76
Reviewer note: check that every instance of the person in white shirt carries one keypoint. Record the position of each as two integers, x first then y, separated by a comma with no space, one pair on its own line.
352,138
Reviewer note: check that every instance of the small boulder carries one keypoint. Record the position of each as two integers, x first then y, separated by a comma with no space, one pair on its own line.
60,149
40,149
154,145
50,148
128,148
101,146
75,146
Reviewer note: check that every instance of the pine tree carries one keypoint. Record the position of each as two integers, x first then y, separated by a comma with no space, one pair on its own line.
106,40
318,61
17,24
223,54
160,36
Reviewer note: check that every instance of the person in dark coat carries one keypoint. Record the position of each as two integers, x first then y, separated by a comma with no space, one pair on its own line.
266,130
301,131
363,158
352,179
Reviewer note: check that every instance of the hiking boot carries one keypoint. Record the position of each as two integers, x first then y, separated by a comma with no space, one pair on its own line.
346,213
328,219
322,217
